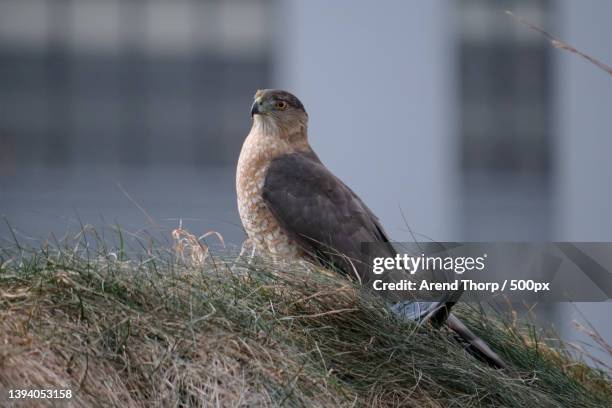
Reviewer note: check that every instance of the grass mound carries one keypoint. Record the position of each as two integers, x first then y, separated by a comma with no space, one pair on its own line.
159,330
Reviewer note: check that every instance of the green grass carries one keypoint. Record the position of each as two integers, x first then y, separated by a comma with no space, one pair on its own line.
144,327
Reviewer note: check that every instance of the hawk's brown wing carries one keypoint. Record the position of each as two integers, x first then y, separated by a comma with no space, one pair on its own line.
323,215
329,222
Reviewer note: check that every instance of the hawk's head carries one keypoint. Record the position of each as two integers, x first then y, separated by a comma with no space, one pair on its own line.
279,109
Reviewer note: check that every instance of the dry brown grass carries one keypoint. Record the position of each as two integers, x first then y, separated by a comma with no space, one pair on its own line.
556,42
155,329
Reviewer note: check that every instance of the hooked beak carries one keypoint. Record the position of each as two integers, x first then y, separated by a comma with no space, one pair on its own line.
255,108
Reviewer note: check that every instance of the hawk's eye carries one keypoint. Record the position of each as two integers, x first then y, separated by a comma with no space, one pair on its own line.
281,105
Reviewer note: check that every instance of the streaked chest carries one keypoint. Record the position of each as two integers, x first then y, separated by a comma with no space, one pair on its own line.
259,223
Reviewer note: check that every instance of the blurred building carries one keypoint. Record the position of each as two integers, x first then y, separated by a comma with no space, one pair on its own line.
129,81
451,120
505,77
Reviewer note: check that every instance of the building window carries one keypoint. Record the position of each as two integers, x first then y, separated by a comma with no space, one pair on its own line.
129,81
505,79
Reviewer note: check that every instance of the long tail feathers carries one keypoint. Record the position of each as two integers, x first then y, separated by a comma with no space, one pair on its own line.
438,313
477,346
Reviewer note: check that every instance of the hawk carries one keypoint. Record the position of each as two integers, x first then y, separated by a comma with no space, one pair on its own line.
293,207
